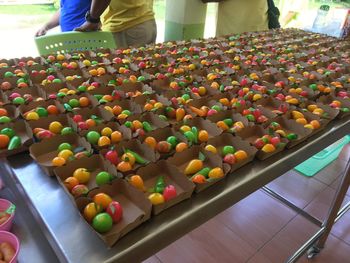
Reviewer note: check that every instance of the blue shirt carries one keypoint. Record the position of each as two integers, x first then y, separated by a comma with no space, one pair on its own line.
73,13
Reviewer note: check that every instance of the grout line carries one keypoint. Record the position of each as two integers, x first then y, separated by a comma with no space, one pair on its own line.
339,238
273,236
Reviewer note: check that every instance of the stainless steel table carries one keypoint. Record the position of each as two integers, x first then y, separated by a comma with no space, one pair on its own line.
34,246
74,241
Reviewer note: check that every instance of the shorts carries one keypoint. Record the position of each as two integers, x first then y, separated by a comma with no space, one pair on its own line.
139,35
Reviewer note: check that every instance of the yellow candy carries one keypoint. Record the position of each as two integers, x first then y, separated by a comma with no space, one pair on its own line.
257,97
281,132
211,148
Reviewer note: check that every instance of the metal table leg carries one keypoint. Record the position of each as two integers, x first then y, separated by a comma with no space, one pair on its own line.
333,212
314,245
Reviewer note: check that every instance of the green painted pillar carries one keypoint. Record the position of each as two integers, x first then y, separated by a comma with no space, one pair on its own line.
184,19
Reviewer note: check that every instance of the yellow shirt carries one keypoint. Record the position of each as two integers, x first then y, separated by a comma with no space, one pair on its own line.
238,16
121,15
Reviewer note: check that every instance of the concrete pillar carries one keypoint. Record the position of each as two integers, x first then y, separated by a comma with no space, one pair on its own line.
184,19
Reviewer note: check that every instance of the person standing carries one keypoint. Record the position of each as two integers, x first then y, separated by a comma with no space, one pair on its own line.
237,16
70,15
132,22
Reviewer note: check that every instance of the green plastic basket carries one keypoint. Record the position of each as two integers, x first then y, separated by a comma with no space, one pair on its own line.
316,163
74,41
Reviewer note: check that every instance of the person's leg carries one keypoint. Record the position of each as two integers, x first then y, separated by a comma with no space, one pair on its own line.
142,34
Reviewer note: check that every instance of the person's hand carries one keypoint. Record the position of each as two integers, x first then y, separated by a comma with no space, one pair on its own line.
42,31
88,27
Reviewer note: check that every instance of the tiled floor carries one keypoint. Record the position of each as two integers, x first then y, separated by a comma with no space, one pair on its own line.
260,229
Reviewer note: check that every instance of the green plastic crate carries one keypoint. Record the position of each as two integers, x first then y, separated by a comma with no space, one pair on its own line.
316,163
74,41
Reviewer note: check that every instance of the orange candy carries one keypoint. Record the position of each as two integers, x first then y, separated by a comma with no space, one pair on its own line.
315,123
104,141
203,136
124,166
240,155
58,161
301,121
70,182
181,147
52,109
137,182
4,141
222,125
90,123
199,179
3,112
84,101
116,136
102,199
151,142
117,110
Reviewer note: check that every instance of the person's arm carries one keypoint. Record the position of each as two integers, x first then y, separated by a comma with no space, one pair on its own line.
53,22
96,10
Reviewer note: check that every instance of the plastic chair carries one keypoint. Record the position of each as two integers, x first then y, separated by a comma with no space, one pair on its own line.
74,41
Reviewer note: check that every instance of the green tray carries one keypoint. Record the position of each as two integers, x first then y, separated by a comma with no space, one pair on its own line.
316,163
74,41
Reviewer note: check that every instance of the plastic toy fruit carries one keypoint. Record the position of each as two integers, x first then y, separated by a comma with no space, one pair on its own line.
115,210
102,222
82,174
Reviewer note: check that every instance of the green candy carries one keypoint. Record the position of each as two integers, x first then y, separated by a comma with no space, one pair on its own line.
74,103
14,143
67,130
250,117
228,122
228,149
64,146
42,112
18,101
126,112
4,119
172,140
8,132
292,136
103,178
146,126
